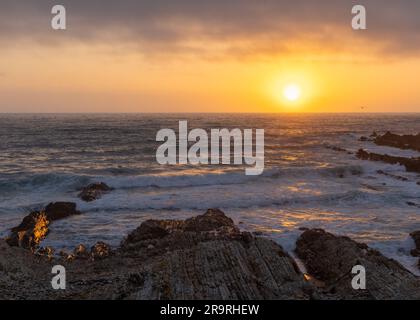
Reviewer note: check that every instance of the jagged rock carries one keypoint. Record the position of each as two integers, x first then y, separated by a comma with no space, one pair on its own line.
45,251
35,226
214,220
416,252
410,164
397,141
60,210
392,175
413,204
330,259
100,250
205,257
335,148
94,191
80,252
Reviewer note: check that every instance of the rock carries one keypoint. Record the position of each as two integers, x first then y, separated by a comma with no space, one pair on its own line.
213,220
413,204
100,250
35,226
411,164
60,210
363,139
416,237
47,252
392,175
205,257
94,191
397,141
80,252
23,274
374,134
335,148
330,259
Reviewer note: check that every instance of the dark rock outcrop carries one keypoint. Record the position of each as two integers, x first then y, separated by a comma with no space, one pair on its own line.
205,257
394,176
94,191
397,141
23,275
35,226
416,252
338,149
331,258
214,220
410,164
100,250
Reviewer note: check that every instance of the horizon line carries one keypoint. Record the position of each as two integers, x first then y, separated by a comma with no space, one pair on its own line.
177,112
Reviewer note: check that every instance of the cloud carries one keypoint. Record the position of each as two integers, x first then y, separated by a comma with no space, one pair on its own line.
236,27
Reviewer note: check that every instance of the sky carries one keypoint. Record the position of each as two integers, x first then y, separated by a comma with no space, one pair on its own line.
209,56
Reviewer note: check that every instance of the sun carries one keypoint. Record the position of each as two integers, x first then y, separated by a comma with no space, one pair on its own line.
292,92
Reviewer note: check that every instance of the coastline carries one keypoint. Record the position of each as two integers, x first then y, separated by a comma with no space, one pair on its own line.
206,257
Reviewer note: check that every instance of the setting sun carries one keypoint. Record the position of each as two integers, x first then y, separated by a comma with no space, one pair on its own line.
292,92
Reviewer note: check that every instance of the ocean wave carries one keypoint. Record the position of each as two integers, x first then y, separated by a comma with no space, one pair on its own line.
199,201
68,182
32,182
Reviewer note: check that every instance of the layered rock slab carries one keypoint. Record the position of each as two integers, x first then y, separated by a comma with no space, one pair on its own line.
331,258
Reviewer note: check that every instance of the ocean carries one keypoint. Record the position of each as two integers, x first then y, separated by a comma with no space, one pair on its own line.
50,157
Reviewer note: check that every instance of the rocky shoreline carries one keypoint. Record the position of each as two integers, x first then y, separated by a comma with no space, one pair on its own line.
206,257
404,142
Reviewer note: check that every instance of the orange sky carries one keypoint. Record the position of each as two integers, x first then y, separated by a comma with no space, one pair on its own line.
337,69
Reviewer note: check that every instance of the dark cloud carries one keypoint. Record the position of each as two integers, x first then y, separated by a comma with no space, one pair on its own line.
244,26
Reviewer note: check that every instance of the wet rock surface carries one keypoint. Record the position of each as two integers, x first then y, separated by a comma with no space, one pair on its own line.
416,237
338,149
410,164
94,191
35,226
394,176
399,141
416,252
206,257
331,258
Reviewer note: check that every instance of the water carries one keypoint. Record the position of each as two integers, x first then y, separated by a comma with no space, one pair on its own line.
46,158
